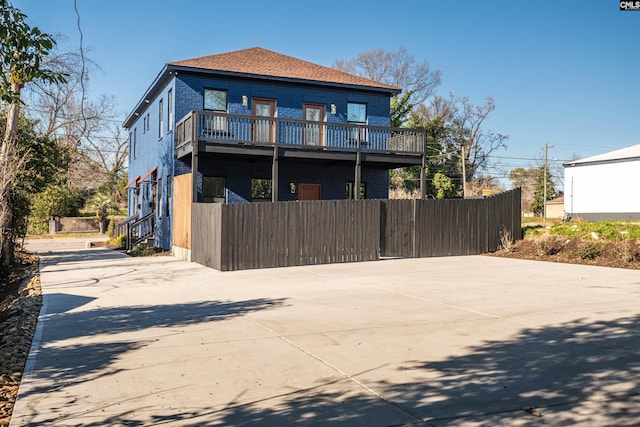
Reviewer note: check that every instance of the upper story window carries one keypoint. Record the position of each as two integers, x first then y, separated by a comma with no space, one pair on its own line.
215,100
356,112
170,110
160,118
133,143
146,124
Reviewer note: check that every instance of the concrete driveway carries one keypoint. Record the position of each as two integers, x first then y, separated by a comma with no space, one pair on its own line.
464,341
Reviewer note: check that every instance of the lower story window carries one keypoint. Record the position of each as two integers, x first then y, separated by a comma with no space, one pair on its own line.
213,189
158,199
351,194
261,190
169,195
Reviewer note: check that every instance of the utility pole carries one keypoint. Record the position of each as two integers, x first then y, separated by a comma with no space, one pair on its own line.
544,198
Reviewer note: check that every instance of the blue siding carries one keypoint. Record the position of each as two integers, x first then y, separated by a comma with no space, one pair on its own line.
290,97
333,178
152,151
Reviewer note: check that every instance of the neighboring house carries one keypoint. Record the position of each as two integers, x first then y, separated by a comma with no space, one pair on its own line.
604,186
256,126
555,207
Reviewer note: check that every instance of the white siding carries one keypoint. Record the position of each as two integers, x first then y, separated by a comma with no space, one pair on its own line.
602,188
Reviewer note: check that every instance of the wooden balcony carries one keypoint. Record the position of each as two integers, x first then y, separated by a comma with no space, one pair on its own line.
235,131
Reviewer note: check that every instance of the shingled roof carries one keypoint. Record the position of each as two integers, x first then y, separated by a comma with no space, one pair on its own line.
259,63
262,62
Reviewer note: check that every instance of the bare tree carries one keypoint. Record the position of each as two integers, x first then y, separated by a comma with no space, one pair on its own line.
90,129
484,182
106,144
525,179
51,103
456,128
468,134
395,68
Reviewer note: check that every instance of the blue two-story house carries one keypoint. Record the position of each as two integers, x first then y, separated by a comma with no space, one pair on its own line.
255,125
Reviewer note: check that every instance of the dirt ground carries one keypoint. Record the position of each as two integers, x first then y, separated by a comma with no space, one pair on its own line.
20,301
618,254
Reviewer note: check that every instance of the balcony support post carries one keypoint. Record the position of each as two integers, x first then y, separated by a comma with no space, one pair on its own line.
194,170
358,175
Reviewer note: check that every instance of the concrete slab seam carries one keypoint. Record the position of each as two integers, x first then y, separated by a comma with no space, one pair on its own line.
470,310
338,370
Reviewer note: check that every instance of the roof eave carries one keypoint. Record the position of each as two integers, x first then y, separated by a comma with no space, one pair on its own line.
196,70
155,87
600,162
172,69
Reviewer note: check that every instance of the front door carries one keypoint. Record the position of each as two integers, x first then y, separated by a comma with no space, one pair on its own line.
309,192
314,114
264,129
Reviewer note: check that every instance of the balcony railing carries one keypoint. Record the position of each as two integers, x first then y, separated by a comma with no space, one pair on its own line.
223,128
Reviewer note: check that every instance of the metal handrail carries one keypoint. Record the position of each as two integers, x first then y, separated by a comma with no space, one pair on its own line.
121,226
139,229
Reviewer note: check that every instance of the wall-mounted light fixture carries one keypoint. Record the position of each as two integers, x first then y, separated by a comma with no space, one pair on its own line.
333,109
292,187
245,100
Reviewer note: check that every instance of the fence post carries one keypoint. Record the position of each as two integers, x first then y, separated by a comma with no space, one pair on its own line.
358,175
413,231
423,167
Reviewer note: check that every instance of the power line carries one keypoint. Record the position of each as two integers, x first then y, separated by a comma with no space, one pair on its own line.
525,158
39,110
103,138
84,118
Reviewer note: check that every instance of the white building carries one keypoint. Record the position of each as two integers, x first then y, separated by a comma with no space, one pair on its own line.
606,186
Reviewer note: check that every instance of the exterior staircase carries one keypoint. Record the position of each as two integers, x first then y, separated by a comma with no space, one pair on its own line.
138,230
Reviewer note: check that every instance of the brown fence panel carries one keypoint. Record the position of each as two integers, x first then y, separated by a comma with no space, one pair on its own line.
182,196
259,235
207,237
429,228
396,228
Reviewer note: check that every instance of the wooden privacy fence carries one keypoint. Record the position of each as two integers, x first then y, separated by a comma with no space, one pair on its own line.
259,235
429,228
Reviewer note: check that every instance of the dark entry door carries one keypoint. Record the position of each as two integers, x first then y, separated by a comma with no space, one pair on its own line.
309,192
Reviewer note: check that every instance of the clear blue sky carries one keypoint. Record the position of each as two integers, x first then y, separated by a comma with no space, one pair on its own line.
562,72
